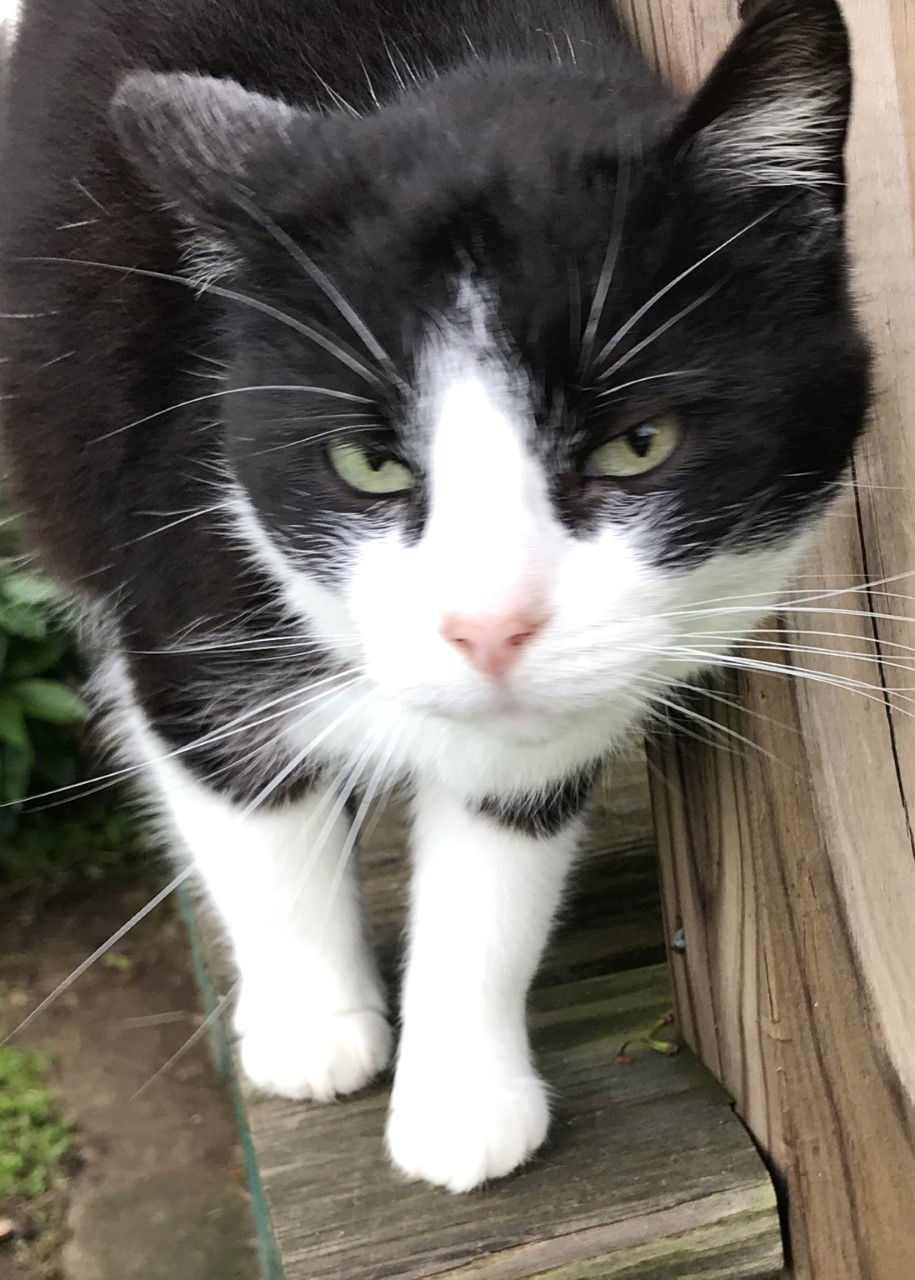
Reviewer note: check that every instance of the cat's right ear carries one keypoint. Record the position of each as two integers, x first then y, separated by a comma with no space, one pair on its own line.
773,114
198,141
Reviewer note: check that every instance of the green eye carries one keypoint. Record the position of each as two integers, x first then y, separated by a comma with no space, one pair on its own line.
370,471
639,451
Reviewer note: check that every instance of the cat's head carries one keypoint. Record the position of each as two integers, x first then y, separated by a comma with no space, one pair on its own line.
553,373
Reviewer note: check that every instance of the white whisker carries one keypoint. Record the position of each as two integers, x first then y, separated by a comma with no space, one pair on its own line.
652,377
230,391
160,897
873,692
661,330
662,293
300,757
173,524
211,1019
371,791
789,646
611,257
106,946
239,724
328,288
220,291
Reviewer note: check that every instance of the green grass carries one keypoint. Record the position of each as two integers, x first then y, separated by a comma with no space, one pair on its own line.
34,1135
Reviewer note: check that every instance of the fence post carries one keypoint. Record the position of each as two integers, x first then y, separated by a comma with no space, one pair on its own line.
794,878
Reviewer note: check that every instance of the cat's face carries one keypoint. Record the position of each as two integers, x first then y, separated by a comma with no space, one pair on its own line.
560,401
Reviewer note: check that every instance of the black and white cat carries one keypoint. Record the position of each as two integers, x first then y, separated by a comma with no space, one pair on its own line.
414,390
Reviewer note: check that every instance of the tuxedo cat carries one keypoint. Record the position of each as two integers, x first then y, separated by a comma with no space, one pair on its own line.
415,391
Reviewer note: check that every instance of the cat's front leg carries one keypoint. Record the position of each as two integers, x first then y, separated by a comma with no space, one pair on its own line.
468,1104
311,1011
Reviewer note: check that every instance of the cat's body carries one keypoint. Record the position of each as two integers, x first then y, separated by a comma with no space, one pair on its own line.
492,398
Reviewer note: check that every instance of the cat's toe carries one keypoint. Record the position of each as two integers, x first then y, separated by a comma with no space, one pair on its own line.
462,1133
316,1059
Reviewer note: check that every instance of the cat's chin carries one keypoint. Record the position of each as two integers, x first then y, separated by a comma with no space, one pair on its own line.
512,720
527,728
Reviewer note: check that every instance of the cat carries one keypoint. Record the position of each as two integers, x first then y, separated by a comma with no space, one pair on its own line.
421,393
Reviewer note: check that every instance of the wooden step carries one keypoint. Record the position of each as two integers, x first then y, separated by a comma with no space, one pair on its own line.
647,1175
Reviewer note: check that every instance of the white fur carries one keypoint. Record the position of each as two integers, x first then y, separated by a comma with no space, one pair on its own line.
468,1104
492,542
791,140
491,539
311,1011
10,11
206,260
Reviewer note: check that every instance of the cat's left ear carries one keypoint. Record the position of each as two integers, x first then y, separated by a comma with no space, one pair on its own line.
200,141
774,112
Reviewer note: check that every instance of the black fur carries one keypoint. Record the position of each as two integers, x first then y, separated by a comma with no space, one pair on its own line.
502,152
544,814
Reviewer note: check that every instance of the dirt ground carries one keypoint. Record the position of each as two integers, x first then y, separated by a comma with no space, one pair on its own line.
160,1193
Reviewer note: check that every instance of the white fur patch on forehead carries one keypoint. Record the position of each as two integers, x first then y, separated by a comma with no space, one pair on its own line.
479,428
473,409
490,521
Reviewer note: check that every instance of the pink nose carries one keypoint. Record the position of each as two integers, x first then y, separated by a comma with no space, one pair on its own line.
492,645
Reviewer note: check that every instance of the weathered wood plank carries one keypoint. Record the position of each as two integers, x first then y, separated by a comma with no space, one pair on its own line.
795,881
646,1157
738,1246
647,1176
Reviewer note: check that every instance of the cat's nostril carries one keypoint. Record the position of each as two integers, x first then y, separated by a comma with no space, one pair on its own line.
492,645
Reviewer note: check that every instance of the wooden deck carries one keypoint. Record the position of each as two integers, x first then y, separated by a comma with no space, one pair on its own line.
648,1175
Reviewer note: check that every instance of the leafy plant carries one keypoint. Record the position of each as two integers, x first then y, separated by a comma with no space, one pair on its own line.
38,707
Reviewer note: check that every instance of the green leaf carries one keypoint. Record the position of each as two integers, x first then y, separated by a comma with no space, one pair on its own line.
4,649
37,658
49,700
22,620
15,772
12,721
28,589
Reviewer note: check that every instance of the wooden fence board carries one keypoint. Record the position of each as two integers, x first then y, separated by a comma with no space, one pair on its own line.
795,881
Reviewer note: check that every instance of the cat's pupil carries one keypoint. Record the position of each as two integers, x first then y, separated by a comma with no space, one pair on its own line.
641,438
378,458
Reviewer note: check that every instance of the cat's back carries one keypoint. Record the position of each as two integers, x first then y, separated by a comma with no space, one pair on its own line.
67,60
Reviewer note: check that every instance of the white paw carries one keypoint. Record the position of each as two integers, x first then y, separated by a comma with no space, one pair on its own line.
316,1057
460,1131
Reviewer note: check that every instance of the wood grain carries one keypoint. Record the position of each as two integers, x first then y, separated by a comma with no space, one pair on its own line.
795,881
648,1174
903,15
643,1158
